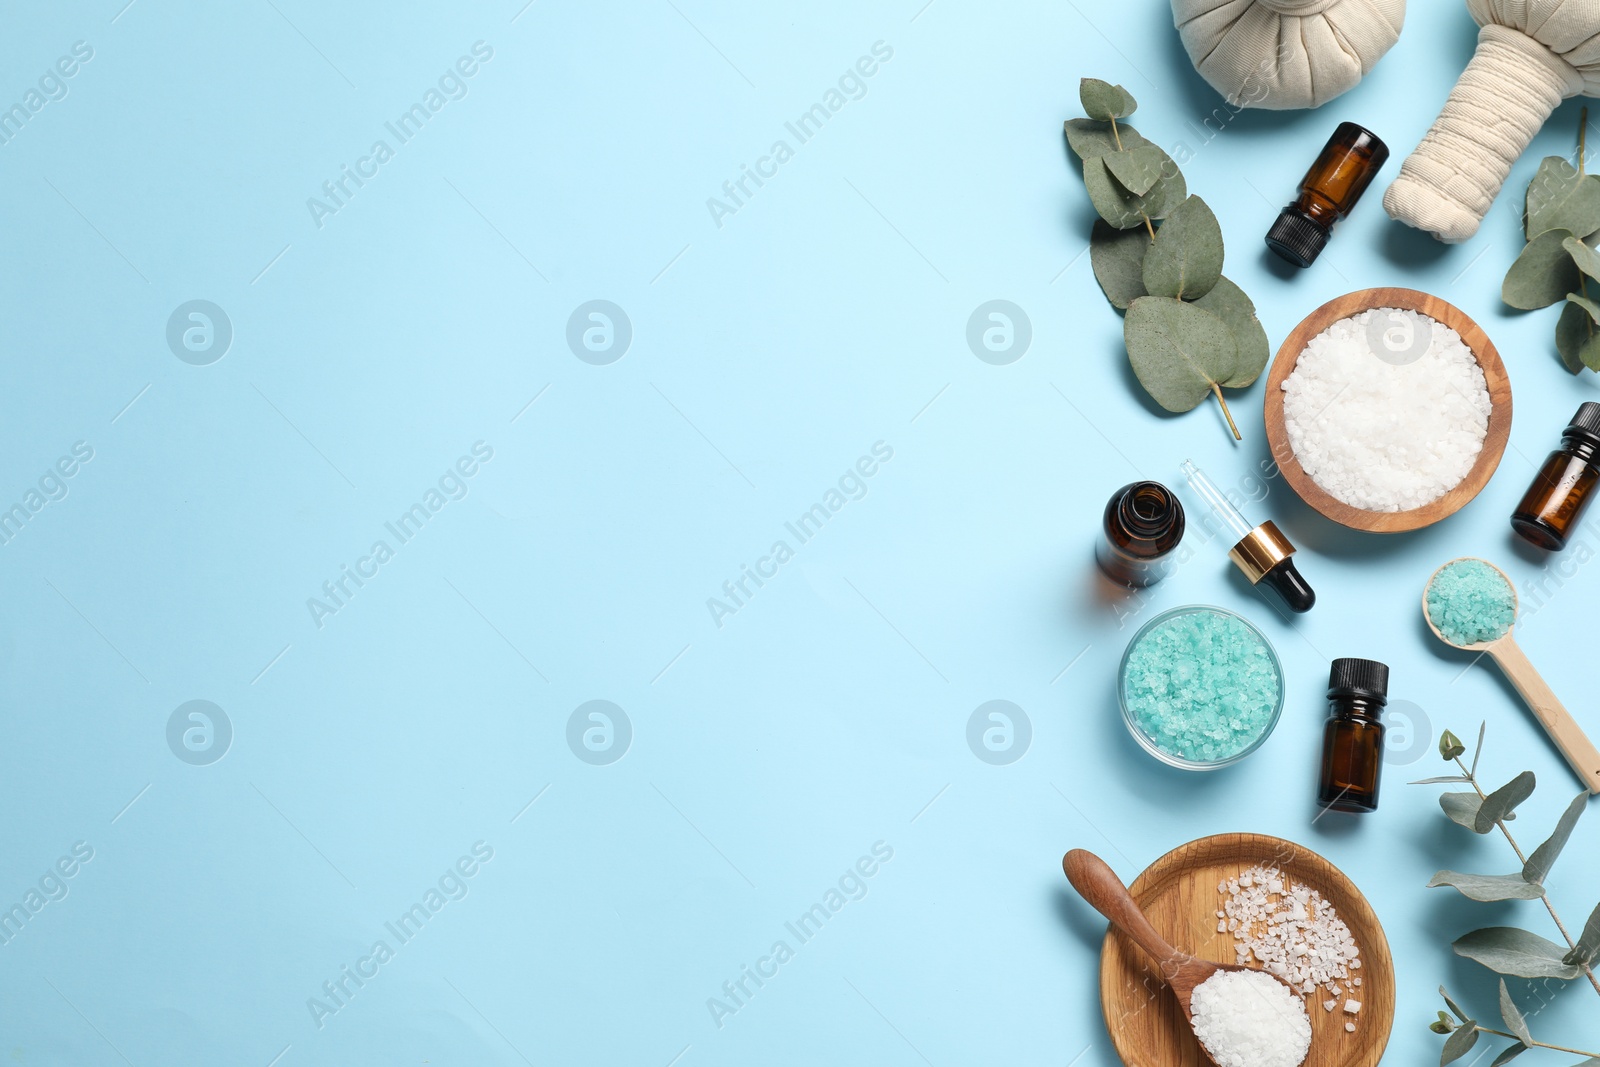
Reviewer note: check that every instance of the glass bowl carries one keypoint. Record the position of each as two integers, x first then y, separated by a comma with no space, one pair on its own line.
1149,743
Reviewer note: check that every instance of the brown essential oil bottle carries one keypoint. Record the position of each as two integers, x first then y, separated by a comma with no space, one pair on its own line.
1352,741
1550,509
1142,526
1348,163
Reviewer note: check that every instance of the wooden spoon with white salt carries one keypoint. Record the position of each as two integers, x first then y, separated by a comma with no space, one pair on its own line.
1098,884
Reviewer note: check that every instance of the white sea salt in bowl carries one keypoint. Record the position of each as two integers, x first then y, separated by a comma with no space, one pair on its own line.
1388,409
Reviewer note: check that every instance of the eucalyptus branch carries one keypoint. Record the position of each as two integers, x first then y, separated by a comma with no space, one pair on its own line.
1583,130
1217,389
1471,779
1535,1044
1150,227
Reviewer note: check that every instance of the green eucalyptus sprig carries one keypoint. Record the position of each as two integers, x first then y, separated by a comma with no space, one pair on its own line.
1190,332
1561,217
1508,950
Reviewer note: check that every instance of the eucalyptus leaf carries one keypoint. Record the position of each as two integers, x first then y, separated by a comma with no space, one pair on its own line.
1458,1045
1544,857
1178,351
1185,259
1508,950
1488,886
1102,100
1561,198
1441,780
1509,1053
1512,1016
1115,204
1452,1005
1542,274
1136,169
1229,303
1587,949
1442,1025
1576,339
1090,138
1482,729
1587,260
1590,306
1118,260
1450,746
1463,808
1503,801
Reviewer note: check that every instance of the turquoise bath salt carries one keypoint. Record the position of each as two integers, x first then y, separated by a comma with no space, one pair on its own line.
1470,601
1201,685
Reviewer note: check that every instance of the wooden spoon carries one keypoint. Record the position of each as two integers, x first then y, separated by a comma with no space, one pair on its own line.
1098,884
1582,756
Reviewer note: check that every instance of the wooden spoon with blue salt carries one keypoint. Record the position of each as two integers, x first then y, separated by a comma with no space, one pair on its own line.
1470,604
1098,884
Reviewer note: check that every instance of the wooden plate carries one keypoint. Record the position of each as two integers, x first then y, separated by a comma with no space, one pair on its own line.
1179,894
1494,445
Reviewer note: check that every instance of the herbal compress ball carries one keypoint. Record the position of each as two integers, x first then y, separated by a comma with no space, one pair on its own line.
1281,54
1532,54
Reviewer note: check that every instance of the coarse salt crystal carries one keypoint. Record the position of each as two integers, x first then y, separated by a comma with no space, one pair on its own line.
1352,1006
1386,410
1247,1019
1289,931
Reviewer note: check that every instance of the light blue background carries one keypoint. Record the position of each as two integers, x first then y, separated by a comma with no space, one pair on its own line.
767,355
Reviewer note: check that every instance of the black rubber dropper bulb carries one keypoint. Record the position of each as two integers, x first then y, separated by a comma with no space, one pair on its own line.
1286,581
1261,552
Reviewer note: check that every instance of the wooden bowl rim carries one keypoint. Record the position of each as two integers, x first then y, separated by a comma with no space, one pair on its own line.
1353,907
1495,378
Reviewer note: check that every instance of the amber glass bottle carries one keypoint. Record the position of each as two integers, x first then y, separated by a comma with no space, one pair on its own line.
1555,501
1348,163
1352,741
1143,524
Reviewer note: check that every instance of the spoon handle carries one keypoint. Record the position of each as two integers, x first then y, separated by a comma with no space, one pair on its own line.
1098,884
1563,729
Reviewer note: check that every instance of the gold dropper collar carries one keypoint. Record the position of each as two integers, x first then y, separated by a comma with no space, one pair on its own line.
1260,550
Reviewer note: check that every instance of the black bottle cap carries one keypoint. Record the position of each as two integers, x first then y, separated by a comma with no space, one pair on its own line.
1295,591
1586,421
1296,238
1359,677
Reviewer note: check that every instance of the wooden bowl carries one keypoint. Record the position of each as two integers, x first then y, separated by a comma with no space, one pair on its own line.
1494,445
1179,894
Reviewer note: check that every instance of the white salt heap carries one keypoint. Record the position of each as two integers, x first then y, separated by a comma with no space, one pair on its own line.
1292,931
1246,1019
1378,421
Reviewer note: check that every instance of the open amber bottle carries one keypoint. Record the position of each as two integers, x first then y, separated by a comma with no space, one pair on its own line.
1142,524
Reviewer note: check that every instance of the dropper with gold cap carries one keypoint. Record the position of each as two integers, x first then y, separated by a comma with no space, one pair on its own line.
1261,552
